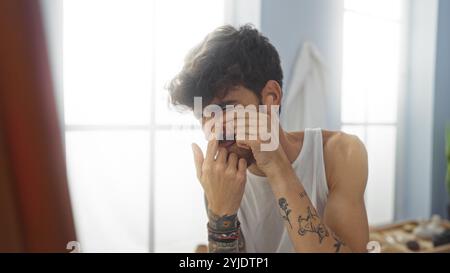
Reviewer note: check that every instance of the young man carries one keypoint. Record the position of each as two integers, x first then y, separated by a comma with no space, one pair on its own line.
307,195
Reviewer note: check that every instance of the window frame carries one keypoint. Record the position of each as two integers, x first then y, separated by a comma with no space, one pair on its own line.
398,125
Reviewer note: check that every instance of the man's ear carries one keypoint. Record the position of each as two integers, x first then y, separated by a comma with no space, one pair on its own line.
271,94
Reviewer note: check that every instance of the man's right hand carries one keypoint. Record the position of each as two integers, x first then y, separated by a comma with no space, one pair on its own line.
222,177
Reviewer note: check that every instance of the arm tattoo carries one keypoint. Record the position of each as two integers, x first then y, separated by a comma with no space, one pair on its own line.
222,223
282,202
224,234
312,223
339,243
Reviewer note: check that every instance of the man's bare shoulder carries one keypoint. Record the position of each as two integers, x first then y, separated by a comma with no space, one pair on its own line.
345,156
343,145
336,143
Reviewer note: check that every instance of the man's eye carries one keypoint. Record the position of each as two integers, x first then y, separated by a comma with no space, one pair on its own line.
224,107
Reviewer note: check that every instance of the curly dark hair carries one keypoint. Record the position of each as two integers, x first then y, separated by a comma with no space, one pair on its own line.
227,57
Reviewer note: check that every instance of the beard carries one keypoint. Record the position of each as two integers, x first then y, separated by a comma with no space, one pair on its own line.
240,152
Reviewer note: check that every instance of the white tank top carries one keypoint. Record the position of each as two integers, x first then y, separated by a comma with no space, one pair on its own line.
261,222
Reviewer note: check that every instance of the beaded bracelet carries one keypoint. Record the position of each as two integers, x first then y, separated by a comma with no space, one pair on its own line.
224,235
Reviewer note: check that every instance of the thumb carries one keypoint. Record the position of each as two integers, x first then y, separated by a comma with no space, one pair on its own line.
198,159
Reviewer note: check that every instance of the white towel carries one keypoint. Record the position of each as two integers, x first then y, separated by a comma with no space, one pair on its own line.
304,105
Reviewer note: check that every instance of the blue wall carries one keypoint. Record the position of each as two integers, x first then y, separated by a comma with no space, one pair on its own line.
421,164
415,138
289,23
441,109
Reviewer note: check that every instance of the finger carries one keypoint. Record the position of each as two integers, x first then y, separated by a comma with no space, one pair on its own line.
241,130
211,151
229,115
242,144
246,131
209,129
198,159
242,166
241,121
246,134
222,156
247,143
232,161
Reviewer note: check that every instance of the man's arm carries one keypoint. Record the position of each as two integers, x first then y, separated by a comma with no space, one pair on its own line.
344,225
223,225
345,212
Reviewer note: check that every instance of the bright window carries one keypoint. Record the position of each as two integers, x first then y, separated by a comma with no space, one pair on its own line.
372,62
130,164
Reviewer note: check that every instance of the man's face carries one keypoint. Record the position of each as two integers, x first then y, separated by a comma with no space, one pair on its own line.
237,96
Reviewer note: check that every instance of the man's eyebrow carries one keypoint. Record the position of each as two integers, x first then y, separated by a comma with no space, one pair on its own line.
223,104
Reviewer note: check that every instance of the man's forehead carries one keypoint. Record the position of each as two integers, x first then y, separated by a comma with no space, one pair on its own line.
223,102
230,95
